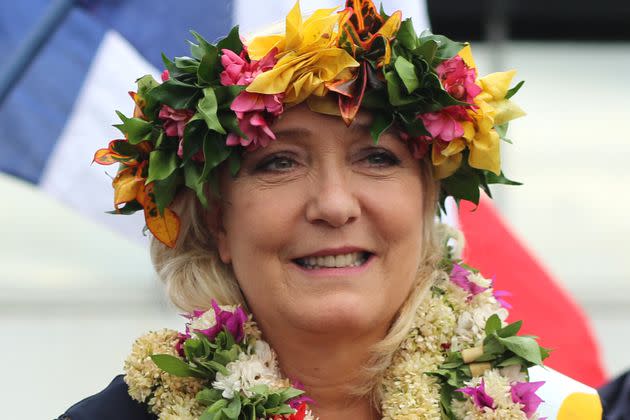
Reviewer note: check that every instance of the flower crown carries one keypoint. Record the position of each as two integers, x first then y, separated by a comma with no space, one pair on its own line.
222,101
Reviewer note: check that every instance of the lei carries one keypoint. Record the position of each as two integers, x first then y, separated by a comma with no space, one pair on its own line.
221,102
459,361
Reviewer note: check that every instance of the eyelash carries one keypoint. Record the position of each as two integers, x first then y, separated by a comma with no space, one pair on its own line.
386,157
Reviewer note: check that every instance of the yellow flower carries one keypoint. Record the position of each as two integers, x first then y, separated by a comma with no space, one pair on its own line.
307,56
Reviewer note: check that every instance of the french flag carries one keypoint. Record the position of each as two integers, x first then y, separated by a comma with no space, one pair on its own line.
61,111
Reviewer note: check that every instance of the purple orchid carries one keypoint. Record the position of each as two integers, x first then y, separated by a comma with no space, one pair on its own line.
459,276
478,395
525,393
296,402
232,321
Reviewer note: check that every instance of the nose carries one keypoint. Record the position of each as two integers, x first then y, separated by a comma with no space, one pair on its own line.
333,201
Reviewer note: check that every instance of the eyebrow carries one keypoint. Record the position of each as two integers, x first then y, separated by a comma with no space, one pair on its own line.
356,127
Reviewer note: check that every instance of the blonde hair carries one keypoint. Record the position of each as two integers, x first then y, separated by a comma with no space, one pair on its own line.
194,274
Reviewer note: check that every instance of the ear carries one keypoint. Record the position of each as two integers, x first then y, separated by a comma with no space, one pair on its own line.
214,222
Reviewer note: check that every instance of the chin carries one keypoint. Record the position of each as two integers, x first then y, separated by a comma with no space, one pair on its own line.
345,312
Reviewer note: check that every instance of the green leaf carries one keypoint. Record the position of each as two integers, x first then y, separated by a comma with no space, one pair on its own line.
395,91
463,185
231,42
493,324
226,94
446,47
407,35
162,163
381,123
290,393
173,365
134,129
407,73
492,178
233,409
215,152
192,177
145,84
525,347
208,69
510,330
187,64
164,191
260,389
176,94
510,361
207,108
209,396
511,92
129,208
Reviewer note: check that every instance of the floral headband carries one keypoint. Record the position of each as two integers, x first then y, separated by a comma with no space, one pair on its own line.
222,101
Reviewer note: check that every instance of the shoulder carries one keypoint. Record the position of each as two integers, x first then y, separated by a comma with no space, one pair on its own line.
565,398
112,403
616,397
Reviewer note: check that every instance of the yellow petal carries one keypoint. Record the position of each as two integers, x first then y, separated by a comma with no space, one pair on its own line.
497,84
292,35
505,111
328,105
466,54
258,47
485,153
447,160
448,167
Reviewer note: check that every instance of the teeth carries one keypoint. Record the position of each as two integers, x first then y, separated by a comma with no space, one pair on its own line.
353,259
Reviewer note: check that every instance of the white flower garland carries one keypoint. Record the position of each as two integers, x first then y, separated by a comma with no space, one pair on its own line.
449,319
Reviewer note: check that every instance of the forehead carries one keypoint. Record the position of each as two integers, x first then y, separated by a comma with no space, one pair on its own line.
300,120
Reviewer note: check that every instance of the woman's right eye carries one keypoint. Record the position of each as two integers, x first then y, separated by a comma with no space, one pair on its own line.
276,163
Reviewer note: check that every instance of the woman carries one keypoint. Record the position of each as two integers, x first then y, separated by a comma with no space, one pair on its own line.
314,235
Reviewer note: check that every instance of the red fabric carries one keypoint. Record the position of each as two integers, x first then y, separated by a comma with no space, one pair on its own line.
546,309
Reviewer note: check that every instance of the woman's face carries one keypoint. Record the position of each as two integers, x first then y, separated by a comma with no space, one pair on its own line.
323,228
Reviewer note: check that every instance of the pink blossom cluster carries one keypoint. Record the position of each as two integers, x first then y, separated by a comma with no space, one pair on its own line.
232,322
445,125
523,393
459,276
175,121
255,111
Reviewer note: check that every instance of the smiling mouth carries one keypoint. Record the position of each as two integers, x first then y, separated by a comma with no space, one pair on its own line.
353,259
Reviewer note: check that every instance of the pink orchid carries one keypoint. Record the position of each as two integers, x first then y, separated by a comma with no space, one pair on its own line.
255,111
525,393
499,295
175,120
458,79
238,71
478,394
256,129
459,276
445,124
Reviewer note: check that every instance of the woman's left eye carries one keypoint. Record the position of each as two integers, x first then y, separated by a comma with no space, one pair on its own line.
381,158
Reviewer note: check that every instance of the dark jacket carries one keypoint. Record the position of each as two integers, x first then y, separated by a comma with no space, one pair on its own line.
112,403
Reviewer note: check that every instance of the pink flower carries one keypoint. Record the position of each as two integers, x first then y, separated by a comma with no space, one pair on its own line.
419,146
478,395
458,79
256,127
525,393
233,322
238,71
445,124
255,111
165,75
459,276
175,120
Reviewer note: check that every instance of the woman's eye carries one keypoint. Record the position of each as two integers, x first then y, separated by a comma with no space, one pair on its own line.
381,158
276,164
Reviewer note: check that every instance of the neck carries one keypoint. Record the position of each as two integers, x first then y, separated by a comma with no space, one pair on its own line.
329,367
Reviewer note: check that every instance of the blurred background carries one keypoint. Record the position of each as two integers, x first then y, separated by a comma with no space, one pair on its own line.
76,286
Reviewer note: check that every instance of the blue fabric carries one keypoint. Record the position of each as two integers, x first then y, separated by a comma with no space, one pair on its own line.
155,27
36,111
615,398
113,403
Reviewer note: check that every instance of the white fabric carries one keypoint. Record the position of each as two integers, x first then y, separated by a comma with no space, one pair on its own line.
68,175
254,15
